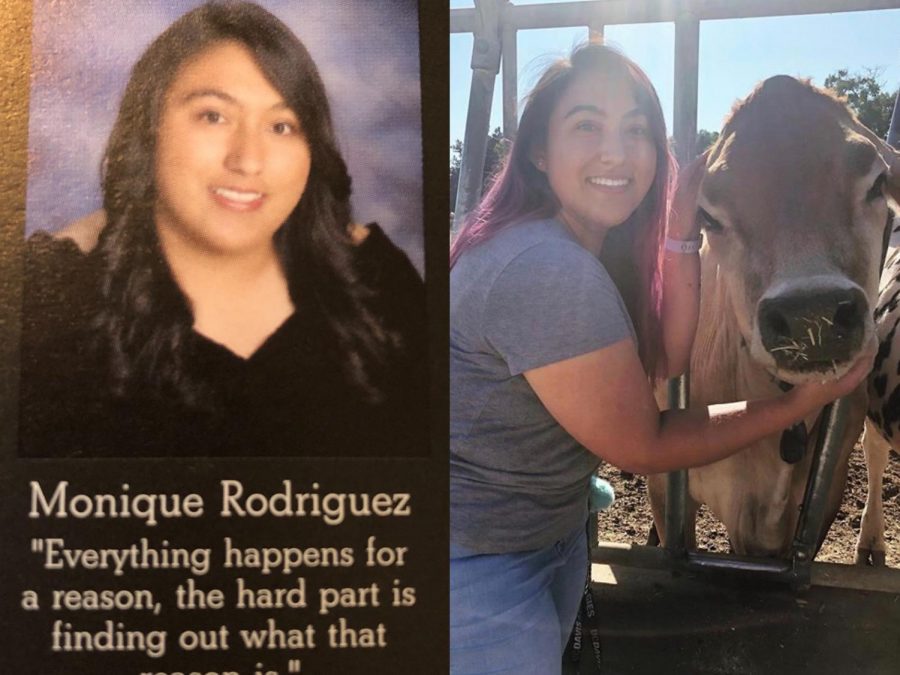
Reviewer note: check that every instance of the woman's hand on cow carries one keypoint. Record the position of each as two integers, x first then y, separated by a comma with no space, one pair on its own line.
813,395
683,223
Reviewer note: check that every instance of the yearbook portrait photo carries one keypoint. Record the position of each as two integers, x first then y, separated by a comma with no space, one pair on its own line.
224,245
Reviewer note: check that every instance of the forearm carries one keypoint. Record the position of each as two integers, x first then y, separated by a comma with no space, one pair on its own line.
603,400
698,436
680,308
681,273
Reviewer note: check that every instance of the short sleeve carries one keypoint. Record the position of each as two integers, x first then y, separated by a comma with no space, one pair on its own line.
552,302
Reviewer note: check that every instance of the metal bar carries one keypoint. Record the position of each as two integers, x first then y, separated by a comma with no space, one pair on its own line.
687,68
631,555
774,568
832,575
573,14
485,66
893,135
821,472
510,81
471,171
650,557
677,481
687,58
728,9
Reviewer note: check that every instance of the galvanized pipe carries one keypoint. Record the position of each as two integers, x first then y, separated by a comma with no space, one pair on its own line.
478,119
616,12
510,81
833,575
821,474
687,54
687,67
677,481
893,135
773,568
692,561
485,66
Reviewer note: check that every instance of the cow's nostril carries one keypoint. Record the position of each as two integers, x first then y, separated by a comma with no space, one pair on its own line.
846,316
778,325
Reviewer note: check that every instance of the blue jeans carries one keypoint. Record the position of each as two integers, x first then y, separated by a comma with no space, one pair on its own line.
513,612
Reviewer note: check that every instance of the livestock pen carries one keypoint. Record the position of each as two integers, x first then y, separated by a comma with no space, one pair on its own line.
673,609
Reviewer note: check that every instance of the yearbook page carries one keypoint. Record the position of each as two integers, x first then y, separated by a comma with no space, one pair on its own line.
223,321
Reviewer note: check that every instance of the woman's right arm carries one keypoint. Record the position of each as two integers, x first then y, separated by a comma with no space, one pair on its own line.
603,399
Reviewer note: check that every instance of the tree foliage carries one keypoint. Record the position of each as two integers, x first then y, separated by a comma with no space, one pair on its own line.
497,147
705,139
866,95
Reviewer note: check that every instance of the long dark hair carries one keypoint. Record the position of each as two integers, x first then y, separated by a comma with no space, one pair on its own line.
632,251
144,323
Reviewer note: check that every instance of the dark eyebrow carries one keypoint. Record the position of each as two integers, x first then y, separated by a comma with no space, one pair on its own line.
201,93
228,98
585,107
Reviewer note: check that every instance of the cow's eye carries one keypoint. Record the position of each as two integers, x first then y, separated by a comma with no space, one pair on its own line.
709,223
877,189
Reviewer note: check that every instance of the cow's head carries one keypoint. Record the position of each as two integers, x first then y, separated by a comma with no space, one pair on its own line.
794,211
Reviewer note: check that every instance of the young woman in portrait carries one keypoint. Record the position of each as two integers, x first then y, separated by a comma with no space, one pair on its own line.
572,291
230,305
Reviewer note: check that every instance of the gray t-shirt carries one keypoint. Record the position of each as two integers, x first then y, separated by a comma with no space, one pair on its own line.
528,297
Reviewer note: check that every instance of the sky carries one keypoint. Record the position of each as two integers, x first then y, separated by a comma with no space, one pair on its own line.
367,52
734,55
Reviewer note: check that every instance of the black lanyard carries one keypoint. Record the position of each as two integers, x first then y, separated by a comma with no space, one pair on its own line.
586,623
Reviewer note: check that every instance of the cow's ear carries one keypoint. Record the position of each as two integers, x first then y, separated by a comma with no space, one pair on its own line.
892,158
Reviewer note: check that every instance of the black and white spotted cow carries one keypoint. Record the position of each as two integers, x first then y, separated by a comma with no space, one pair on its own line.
883,424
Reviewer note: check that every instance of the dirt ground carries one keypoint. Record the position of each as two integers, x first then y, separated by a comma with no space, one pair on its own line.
629,519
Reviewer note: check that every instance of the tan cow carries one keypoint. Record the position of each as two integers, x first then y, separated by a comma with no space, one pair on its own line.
793,214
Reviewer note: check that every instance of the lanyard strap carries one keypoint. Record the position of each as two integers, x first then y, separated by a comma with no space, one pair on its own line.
586,621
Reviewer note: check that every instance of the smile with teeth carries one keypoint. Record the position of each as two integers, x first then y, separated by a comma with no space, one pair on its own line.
609,182
237,195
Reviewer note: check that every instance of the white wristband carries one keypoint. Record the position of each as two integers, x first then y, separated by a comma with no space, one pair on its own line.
684,245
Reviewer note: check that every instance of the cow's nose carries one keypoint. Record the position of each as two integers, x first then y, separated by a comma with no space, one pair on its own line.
812,330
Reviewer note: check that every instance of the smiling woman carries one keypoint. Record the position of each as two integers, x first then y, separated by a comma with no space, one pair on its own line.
231,166
229,306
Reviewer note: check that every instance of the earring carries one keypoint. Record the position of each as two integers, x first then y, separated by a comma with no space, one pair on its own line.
540,164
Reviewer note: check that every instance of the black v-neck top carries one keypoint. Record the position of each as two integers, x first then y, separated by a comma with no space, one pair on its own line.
289,398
